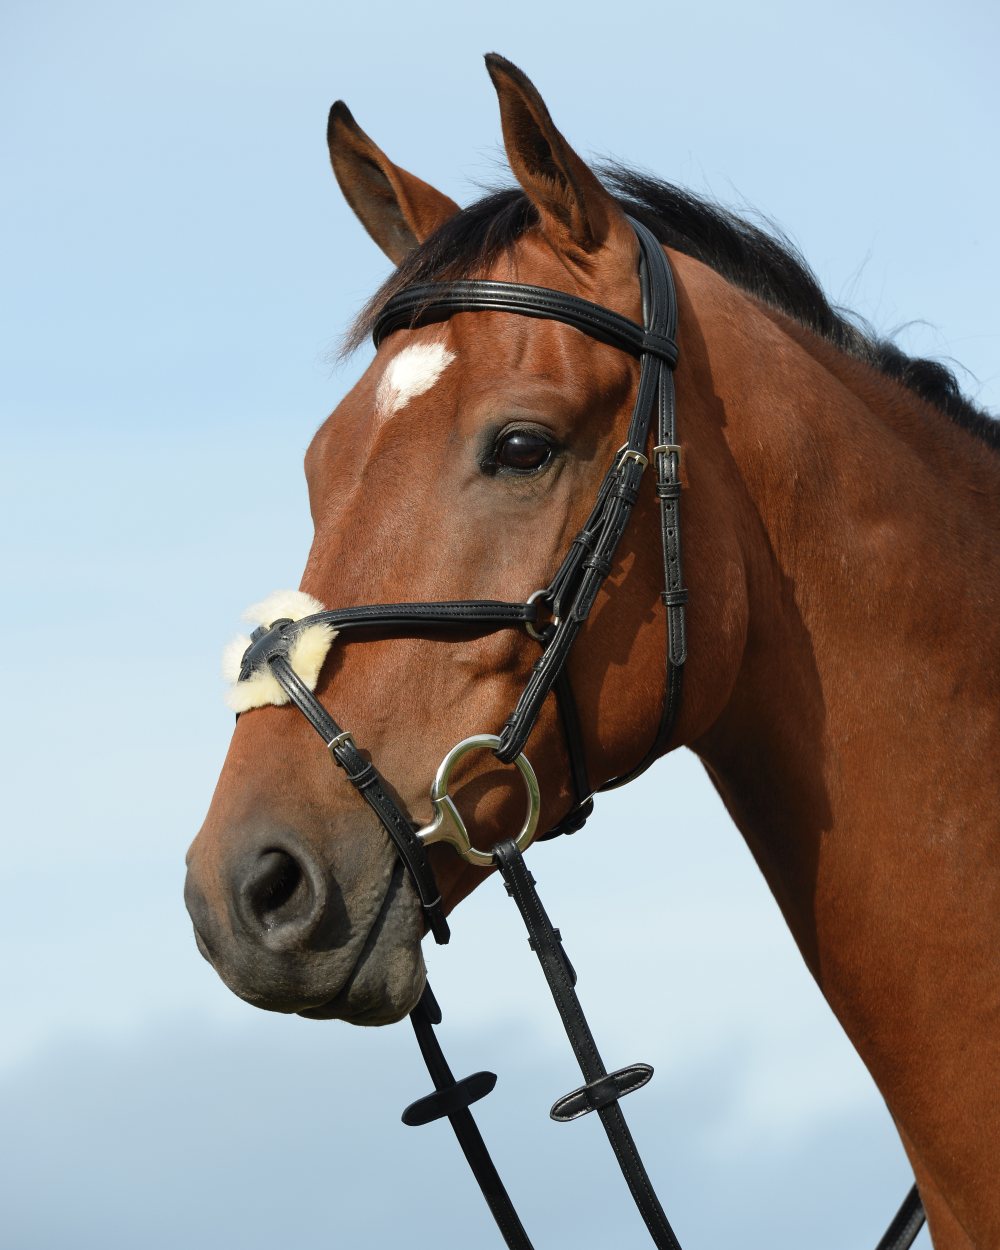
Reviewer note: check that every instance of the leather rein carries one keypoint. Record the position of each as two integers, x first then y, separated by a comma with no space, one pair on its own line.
553,616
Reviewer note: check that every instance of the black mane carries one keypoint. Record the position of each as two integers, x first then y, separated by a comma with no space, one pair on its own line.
761,262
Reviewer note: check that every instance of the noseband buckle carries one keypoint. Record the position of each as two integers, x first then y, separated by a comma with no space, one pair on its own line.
448,825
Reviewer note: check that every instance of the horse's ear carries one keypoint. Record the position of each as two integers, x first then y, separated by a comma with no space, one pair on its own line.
398,209
577,213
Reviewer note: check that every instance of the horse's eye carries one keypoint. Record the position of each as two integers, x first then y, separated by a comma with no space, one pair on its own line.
522,450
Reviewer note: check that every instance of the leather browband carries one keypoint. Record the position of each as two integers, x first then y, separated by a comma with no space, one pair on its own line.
437,301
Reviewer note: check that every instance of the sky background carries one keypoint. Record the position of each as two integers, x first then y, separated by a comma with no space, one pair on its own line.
178,265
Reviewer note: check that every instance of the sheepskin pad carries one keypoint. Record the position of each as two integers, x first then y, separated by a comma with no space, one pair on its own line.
306,654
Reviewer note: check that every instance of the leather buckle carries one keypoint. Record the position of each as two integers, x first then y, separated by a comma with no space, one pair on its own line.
627,453
671,449
340,740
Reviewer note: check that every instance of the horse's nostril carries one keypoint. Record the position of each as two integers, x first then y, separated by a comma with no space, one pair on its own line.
277,892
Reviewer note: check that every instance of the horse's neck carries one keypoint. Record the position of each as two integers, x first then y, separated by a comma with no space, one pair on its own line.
859,750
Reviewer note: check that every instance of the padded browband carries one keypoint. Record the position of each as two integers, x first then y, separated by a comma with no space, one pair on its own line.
437,301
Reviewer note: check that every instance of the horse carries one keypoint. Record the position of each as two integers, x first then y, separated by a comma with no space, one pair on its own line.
841,505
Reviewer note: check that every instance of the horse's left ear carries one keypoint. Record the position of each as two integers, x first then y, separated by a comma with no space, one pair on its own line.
577,213
398,209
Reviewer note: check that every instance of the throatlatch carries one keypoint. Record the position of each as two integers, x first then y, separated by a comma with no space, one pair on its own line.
564,606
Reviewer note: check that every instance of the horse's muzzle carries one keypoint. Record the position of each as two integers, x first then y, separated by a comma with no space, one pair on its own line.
273,922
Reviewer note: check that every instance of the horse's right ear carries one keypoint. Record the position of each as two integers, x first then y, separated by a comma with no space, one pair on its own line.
398,209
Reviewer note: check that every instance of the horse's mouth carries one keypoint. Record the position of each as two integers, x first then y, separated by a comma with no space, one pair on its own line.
389,974
379,984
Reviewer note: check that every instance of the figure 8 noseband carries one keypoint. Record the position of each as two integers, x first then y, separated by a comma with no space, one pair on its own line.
566,602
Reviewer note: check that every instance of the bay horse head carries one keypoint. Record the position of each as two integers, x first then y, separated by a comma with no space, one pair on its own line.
829,480
460,465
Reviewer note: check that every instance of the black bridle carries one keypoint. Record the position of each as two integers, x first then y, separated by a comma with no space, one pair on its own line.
553,616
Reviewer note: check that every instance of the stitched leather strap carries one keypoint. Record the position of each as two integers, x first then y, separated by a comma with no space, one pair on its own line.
437,301
906,1224
456,1107
474,615
602,1089
666,459
366,780
452,614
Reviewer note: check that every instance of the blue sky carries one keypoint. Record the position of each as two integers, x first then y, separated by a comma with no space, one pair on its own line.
178,267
